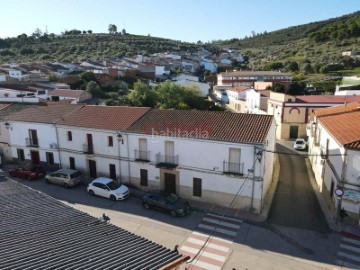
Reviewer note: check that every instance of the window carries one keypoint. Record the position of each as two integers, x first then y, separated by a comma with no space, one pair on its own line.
110,141
197,187
20,154
72,163
50,158
143,177
69,136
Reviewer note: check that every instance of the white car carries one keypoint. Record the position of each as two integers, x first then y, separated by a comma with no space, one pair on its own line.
300,144
108,188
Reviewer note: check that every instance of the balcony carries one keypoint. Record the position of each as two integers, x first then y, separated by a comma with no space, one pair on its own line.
31,142
169,162
88,149
233,168
142,156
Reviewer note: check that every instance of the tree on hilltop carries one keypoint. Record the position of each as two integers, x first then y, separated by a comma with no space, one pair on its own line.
112,28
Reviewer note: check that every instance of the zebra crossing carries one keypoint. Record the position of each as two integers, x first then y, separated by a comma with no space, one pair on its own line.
348,255
216,248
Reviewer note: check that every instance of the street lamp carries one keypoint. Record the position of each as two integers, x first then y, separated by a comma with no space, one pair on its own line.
259,155
120,138
7,125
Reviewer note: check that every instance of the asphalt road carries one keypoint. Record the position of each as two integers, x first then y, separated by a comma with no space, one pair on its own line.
295,203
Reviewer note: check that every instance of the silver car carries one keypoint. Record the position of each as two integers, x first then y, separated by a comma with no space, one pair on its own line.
65,177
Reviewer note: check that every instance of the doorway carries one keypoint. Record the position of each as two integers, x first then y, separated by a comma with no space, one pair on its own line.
35,157
170,183
112,170
92,168
294,132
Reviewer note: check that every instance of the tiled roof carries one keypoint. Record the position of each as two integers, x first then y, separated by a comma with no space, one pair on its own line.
344,127
220,126
104,117
51,113
239,88
8,109
66,93
39,232
327,99
338,109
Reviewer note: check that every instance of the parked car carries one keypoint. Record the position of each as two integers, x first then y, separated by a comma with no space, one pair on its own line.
108,188
65,177
168,202
30,172
300,144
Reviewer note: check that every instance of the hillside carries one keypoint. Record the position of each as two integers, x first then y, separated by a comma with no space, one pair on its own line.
69,48
311,46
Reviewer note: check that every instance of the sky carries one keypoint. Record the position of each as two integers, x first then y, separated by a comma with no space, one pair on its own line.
185,20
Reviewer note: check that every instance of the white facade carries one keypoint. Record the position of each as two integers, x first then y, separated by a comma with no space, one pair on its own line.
2,77
209,65
334,167
203,88
159,70
17,74
103,154
183,76
255,103
34,146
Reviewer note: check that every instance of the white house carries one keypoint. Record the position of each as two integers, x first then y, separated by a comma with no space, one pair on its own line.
208,65
92,140
334,151
76,96
203,88
256,101
33,134
205,156
184,76
2,77
237,96
13,73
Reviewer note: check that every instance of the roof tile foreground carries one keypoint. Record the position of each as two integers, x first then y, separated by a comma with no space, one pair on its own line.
104,117
39,232
211,125
343,123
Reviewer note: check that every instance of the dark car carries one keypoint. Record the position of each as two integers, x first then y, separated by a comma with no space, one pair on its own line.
30,172
168,202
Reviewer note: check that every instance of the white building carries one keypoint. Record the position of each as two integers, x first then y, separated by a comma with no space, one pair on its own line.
16,74
2,77
88,140
76,96
334,150
203,88
209,65
33,134
204,156
256,101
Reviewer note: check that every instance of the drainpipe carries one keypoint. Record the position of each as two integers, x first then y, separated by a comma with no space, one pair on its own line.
58,144
341,184
253,182
128,155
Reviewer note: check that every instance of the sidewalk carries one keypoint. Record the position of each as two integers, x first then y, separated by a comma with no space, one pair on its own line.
336,226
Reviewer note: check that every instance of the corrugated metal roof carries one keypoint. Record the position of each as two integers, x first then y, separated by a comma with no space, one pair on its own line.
39,232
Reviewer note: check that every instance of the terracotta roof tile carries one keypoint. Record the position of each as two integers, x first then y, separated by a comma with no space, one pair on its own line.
104,117
327,99
344,127
220,126
337,109
51,113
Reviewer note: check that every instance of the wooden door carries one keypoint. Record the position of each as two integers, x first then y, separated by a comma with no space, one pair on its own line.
92,168
170,183
112,170
35,157
293,132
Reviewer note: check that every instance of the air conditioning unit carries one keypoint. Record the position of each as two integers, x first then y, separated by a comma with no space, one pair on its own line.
53,146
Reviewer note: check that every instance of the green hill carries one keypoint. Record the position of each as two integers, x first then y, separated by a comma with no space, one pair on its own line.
79,46
312,46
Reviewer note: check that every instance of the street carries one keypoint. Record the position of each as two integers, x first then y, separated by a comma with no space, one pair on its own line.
294,237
